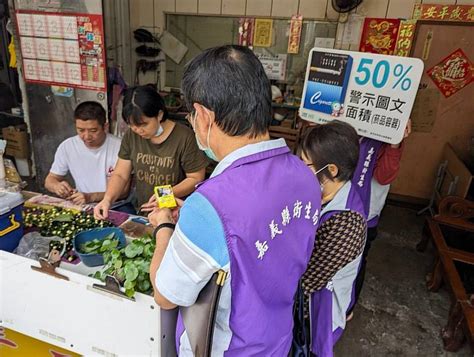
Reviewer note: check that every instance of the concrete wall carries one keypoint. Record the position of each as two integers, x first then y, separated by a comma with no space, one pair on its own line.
151,13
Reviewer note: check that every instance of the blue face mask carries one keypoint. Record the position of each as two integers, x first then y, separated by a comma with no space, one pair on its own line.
208,151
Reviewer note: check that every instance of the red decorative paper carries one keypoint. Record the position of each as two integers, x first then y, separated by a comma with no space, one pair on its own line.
246,28
379,36
294,37
436,12
453,73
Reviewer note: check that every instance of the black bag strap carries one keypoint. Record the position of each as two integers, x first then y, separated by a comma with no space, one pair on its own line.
301,343
199,319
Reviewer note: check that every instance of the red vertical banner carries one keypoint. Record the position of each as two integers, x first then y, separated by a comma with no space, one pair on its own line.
406,33
246,27
294,36
379,36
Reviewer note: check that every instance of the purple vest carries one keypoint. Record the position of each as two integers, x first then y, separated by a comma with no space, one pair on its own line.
364,172
323,336
269,204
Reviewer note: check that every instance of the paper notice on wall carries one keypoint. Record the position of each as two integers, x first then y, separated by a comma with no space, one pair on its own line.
324,42
425,109
352,30
274,66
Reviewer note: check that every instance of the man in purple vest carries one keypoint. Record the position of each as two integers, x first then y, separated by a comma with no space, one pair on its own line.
255,217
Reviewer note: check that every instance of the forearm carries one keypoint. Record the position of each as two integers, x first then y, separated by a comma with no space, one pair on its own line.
50,182
125,190
115,188
185,187
388,165
94,196
162,240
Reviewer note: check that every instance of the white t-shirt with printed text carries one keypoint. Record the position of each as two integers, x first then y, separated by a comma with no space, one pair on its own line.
90,168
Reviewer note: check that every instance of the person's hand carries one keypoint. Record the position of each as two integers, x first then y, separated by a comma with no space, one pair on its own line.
101,210
159,216
406,134
407,130
175,211
150,205
79,198
63,189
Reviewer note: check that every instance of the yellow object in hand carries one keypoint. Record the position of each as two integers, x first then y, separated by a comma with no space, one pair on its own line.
165,197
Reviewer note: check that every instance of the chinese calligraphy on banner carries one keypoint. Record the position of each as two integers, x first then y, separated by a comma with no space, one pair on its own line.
263,33
246,27
406,33
294,37
379,36
435,12
453,73
374,93
62,49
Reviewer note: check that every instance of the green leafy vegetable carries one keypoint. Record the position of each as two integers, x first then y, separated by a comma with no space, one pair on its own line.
130,265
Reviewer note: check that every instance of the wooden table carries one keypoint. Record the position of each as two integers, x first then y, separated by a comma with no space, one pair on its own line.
452,235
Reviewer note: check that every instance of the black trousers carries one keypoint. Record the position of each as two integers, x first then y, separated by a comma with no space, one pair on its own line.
359,282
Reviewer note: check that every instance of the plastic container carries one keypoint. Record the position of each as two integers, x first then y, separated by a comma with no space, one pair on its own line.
93,260
11,220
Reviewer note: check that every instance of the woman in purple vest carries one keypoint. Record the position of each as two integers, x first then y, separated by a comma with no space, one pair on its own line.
331,151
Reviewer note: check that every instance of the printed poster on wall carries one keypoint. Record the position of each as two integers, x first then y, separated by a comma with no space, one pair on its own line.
453,73
374,93
379,36
294,36
274,66
246,27
263,33
62,49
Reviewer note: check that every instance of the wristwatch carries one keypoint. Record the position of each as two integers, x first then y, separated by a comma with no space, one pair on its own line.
163,225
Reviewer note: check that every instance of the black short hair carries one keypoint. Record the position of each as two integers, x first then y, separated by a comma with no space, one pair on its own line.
230,81
90,111
142,101
333,143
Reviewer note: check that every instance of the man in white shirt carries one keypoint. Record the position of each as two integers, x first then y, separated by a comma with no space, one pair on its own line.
89,157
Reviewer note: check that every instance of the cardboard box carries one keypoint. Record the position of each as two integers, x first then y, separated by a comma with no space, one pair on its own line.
18,144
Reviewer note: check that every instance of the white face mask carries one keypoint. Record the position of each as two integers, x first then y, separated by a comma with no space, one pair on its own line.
160,129
207,150
321,185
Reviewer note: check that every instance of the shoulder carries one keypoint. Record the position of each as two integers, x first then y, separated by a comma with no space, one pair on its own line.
201,225
113,141
183,131
69,143
349,222
130,136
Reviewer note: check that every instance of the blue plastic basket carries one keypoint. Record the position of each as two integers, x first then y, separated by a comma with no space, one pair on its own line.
93,260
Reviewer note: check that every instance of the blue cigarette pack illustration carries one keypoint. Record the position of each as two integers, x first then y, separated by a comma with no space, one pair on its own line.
327,82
